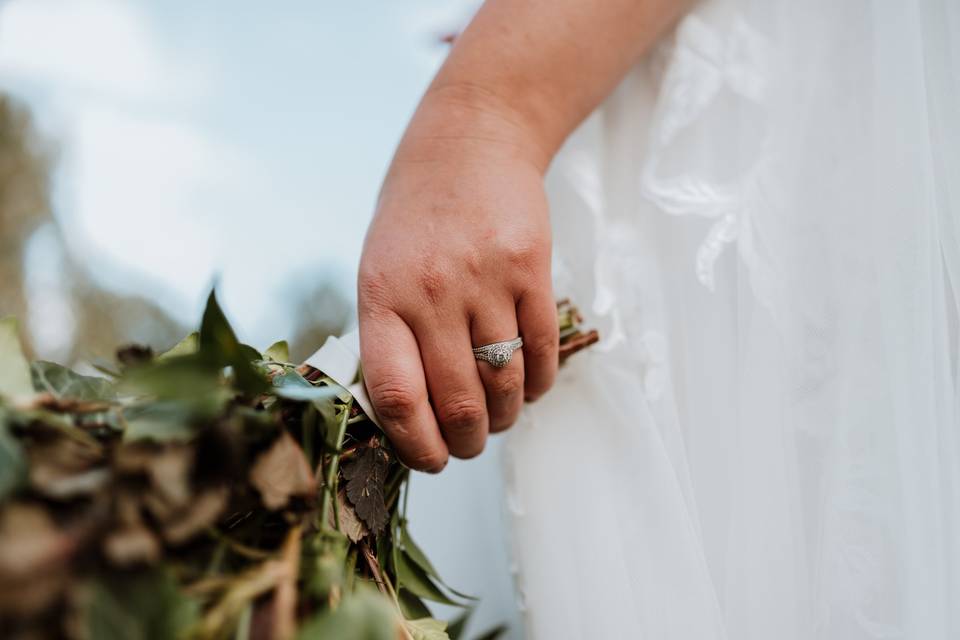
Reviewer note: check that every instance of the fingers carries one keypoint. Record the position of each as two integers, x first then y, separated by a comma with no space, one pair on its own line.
456,391
393,374
503,386
537,317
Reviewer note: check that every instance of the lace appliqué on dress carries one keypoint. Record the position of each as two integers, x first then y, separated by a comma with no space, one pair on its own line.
704,64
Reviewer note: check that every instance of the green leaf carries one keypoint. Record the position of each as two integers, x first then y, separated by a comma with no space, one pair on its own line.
365,615
64,383
494,633
147,607
417,555
14,370
165,421
411,576
323,565
12,463
412,606
186,347
219,344
427,629
457,627
420,558
244,624
278,352
172,397
184,378
215,331
293,386
334,415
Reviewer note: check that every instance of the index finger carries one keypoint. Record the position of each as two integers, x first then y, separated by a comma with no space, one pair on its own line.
393,374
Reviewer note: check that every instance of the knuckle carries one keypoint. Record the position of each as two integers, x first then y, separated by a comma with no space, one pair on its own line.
472,263
373,288
461,413
525,257
394,401
433,284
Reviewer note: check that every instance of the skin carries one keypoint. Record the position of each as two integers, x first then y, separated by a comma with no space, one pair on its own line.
458,253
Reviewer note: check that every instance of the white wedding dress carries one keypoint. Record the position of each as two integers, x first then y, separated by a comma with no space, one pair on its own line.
764,224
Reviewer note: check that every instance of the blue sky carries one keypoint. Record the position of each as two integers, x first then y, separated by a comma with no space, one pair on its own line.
221,139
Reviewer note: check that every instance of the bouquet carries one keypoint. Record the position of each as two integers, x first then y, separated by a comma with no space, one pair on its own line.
210,491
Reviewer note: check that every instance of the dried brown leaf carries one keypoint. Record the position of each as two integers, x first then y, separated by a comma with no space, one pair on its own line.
132,545
366,474
65,467
350,524
33,554
281,472
201,513
130,542
166,467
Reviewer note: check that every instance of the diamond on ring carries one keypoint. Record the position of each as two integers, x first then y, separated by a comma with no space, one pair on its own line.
498,354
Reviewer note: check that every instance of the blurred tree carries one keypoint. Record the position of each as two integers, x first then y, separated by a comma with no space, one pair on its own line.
107,321
101,320
24,200
321,311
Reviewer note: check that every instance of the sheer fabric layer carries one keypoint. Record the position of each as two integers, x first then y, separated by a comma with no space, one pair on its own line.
764,222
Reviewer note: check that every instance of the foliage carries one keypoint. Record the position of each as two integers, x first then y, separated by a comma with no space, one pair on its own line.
208,492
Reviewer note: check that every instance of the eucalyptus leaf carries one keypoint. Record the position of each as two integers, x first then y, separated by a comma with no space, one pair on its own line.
14,370
63,383
293,386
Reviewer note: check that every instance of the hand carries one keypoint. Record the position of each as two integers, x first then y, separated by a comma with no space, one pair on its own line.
457,256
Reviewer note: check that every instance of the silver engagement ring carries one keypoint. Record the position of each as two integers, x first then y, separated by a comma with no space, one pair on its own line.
498,354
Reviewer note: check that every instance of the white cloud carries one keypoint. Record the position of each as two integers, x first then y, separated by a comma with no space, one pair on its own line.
149,193
100,46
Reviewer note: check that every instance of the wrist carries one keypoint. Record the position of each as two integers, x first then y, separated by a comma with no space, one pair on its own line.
468,120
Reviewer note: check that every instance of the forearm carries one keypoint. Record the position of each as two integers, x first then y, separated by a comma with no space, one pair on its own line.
525,73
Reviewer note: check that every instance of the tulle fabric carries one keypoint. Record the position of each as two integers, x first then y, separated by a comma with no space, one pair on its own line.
764,223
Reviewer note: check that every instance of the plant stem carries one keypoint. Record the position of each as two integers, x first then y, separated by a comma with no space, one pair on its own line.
383,582
226,542
330,485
